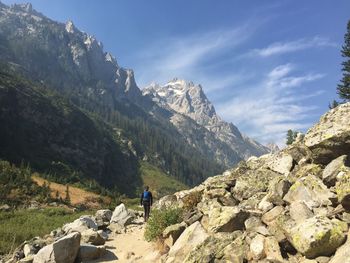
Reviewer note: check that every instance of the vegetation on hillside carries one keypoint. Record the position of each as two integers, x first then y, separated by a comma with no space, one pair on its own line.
161,219
159,182
20,225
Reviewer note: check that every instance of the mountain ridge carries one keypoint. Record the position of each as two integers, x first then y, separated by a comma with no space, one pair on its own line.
186,98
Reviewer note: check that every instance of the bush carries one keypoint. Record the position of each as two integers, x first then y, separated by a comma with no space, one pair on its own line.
159,220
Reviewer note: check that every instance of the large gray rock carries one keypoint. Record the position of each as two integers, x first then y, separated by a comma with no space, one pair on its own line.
122,216
343,253
311,191
90,252
192,236
342,188
281,163
93,237
172,233
329,175
64,250
80,225
225,219
330,137
257,247
299,211
278,188
318,236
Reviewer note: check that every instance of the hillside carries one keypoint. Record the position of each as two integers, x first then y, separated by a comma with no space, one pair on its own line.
55,137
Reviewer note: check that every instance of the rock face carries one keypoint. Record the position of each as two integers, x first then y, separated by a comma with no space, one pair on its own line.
191,109
290,206
64,250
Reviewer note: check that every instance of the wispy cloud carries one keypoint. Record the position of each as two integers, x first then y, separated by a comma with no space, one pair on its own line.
292,46
184,57
272,106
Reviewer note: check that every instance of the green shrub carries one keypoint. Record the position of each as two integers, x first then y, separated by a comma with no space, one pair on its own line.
159,220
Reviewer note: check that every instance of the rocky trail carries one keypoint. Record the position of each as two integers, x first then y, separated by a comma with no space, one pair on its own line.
129,247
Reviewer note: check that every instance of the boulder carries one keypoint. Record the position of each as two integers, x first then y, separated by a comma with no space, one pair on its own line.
252,223
317,236
193,236
342,188
192,216
93,237
209,249
311,191
104,214
166,201
80,225
272,250
329,175
281,163
271,215
342,255
330,137
265,205
64,250
257,247
103,217
278,188
226,219
122,216
90,252
172,233
299,211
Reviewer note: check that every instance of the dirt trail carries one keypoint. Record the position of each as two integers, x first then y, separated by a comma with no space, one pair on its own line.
129,247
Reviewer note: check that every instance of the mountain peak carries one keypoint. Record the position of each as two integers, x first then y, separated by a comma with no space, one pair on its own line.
70,28
26,7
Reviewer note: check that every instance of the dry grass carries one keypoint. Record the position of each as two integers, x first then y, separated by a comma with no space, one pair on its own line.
77,196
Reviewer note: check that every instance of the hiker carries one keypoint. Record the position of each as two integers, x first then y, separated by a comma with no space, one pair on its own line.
146,202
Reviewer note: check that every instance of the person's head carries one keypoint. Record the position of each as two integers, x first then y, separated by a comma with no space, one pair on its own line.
146,188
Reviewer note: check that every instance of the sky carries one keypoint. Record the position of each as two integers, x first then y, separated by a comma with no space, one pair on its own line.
267,66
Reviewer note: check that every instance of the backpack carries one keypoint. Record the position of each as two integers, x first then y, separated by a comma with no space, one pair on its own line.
146,196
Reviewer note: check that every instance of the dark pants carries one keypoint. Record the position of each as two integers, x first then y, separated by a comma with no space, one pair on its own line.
146,209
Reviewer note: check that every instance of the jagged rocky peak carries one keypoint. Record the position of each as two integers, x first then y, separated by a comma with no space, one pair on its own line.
70,28
184,97
26,7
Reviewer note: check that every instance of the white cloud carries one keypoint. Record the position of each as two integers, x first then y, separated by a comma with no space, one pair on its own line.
292,46
268,109
184,57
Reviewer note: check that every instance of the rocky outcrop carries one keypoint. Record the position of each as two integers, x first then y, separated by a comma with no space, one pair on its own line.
330,138
122,216
64,250
290,206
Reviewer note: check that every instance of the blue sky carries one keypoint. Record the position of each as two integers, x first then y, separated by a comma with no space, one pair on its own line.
267,66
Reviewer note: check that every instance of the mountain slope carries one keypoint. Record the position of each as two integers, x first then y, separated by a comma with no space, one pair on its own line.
225,141
43,129
75,65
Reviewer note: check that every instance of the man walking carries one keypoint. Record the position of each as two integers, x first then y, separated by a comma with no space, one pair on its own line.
146,202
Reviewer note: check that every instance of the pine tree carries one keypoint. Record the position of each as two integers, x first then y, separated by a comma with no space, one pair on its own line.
291,136
344,86
333,104
67,199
